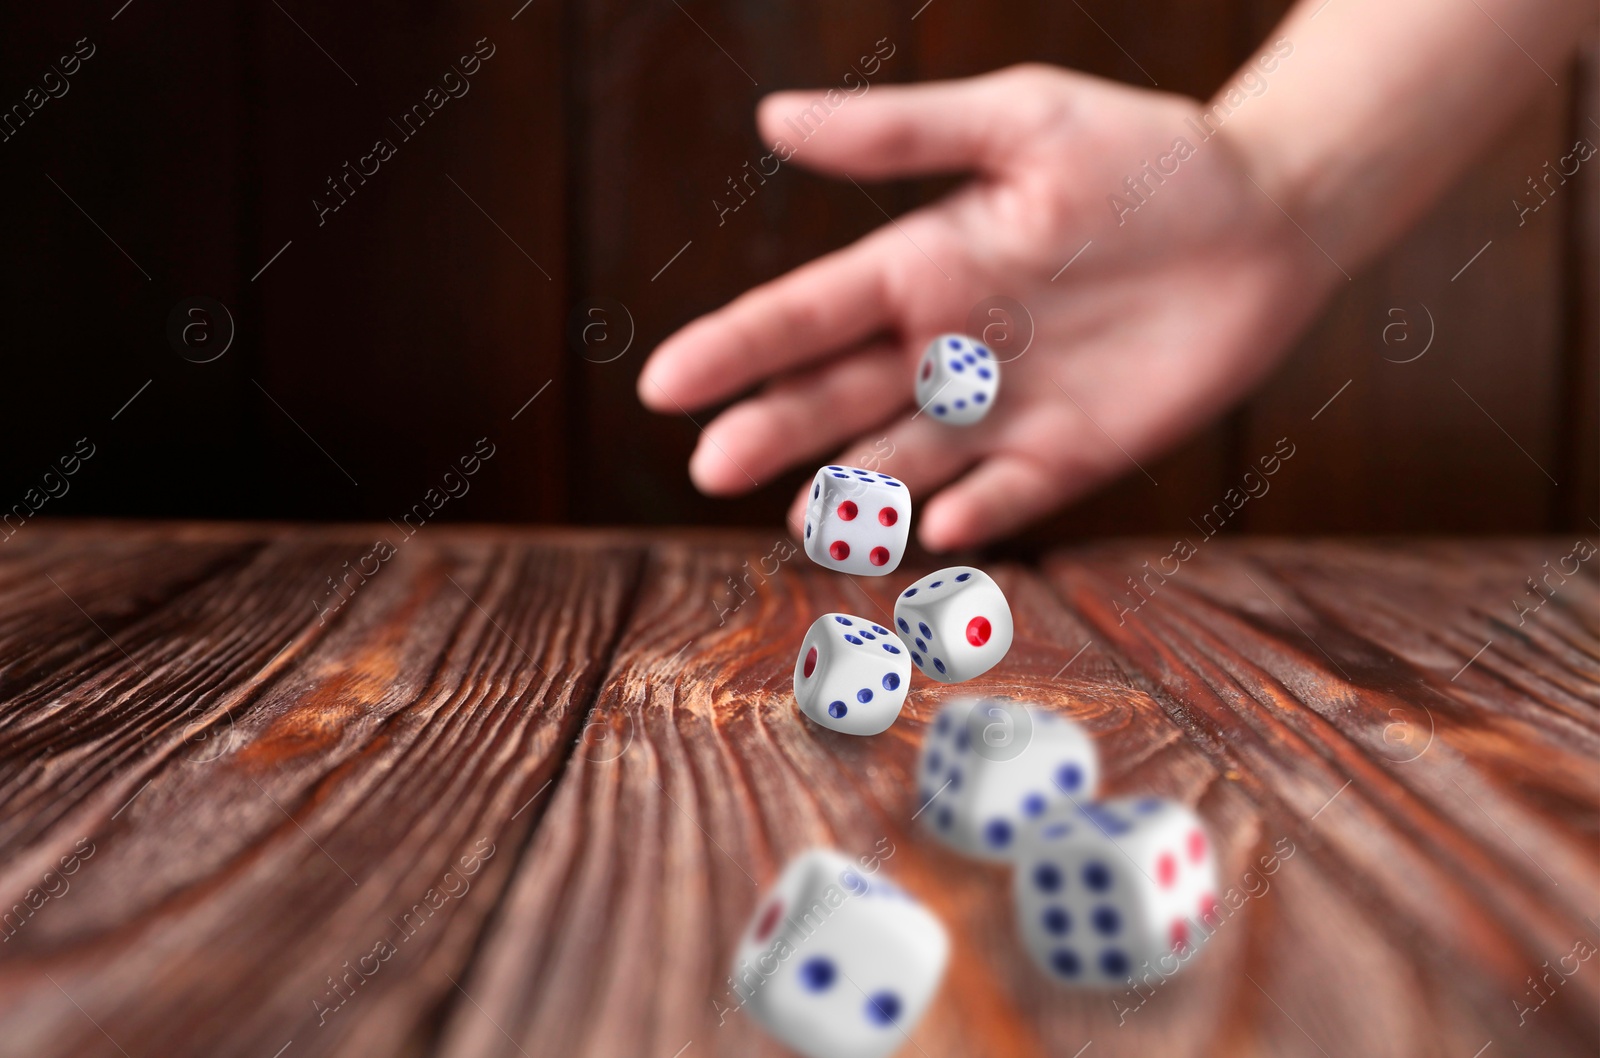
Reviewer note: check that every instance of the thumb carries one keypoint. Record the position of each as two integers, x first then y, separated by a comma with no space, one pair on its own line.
894,130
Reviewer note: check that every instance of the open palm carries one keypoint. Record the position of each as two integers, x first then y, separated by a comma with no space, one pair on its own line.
1166,314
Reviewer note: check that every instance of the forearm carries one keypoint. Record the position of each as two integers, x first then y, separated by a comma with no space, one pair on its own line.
1382,103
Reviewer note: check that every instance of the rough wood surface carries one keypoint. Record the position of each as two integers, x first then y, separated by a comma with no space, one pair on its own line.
520,792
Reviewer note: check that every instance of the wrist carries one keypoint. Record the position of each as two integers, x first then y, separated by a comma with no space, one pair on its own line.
1258,120
1245,115
1276,219
1365,119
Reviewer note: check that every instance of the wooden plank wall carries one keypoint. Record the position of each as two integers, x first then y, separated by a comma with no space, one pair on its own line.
393,333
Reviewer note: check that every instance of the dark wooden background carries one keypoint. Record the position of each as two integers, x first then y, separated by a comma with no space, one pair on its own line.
596,138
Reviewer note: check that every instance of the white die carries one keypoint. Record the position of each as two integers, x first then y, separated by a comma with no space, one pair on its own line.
837,963
989,766
957,379
956,622
857,521
851,675
1104,890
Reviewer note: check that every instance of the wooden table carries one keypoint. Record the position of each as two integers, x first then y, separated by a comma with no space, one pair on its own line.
514,791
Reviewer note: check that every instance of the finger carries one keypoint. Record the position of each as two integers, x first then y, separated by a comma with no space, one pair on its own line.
922,453
895,130
800,417
829,304
999,496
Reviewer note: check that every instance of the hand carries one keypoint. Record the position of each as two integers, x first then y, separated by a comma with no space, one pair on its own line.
1174,311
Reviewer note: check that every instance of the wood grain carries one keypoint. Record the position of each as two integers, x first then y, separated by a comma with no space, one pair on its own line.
711,779
352,765
1302,671
605,733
